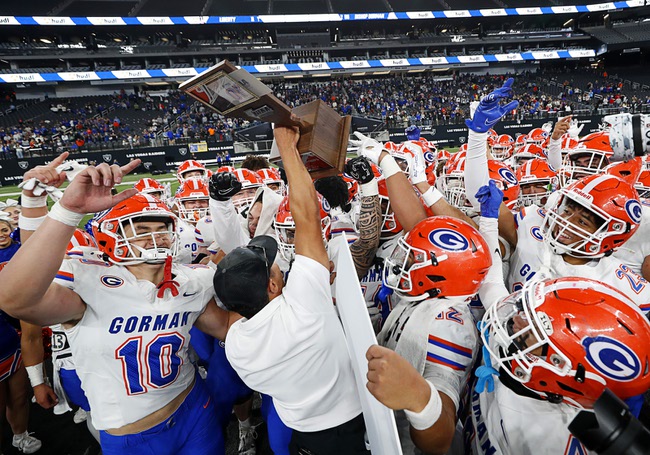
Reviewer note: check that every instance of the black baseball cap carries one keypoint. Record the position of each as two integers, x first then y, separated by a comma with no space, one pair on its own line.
242,277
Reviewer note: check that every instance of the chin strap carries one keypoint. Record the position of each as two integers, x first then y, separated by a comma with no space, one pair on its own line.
167,282
485,373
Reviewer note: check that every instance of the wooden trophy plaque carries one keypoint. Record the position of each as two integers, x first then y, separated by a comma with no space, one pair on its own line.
236,93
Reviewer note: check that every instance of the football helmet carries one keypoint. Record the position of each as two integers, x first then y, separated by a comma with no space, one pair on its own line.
153,187
462,148
568,339
528,152
503,147
520,142
116,233
431,259
537,180
643,184
390,225
589,157
610,203
193,167
353,187
626,170
271,176
226,169
390,146
567,143
538,137
250,182
81,244
285,227
187,200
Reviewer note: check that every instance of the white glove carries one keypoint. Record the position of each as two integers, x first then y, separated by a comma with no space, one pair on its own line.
575,129
38,188
367,147
71,169
417,165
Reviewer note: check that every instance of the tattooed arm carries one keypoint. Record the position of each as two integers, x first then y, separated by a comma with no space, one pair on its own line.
364,248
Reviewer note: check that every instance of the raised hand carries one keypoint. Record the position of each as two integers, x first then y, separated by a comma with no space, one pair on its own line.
561,127
367,147
91,190
223,186
490,111
490,197
417,165
45,178
360,170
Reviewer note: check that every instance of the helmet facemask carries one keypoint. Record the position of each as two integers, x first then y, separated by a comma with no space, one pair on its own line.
127,233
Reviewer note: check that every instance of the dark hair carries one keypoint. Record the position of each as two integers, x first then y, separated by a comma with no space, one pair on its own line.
255,163
335,190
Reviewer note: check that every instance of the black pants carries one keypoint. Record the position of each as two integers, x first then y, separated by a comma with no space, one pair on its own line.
345,439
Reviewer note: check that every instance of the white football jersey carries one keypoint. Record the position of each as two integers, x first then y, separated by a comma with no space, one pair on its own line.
633,252
533,256
451,339
187,245
504,423
131,347
204,232
341,222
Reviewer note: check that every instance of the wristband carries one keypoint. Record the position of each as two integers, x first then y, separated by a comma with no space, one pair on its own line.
30,224
33,202
431,196
35,373
429,415
65,216
370,189
389,167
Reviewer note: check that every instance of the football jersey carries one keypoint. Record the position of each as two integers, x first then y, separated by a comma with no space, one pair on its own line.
187,244
533,256
341,222
504,423
633,252
131,347
450,336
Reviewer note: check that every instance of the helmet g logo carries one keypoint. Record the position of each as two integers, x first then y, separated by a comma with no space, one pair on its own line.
633,209
428,157
508,176
612,358
448,240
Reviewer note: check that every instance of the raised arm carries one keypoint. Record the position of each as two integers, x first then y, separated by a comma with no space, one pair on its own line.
302,197
405,203
555,144
26,291
364,248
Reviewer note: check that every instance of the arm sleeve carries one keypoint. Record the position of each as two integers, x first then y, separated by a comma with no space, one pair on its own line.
228,231
493,289
555,154
476,168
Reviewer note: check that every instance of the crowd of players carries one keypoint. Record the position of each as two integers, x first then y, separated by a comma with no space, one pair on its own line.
506,284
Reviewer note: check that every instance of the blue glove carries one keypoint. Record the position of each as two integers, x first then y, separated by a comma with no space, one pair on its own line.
412,133
490,197
489,111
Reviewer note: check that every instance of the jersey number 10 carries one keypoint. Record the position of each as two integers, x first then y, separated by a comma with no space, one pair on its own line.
156,366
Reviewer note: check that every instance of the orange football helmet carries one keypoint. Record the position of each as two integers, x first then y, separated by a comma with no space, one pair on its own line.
250,182
537,180
152,187
271,176
538,137
589,157
197,170
568,339
528,152
192,200
429,260
643,184
390,225
115,231
614,204
503,147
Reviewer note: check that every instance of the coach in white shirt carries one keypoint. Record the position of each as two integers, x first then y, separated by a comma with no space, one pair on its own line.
290,343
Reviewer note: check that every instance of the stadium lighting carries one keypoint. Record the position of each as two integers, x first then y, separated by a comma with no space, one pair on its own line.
46,40
567,22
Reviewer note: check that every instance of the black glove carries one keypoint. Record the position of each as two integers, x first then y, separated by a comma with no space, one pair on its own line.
223,186
360,170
